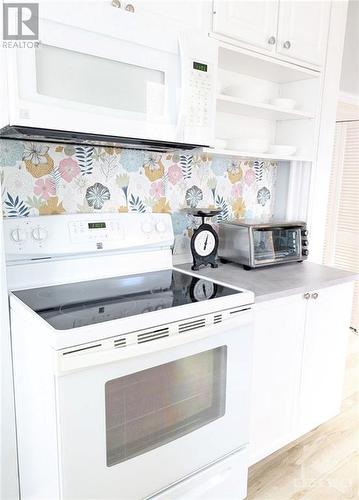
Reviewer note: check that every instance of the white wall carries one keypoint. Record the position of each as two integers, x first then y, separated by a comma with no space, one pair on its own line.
319,190
349,82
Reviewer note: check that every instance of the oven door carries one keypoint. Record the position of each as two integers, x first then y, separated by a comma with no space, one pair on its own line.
104,71
275,244
161,411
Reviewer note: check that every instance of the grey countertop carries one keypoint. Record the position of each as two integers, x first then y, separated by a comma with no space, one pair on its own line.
277,281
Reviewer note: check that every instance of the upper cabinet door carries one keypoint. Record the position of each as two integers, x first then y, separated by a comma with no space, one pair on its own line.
185,15
303,31
253,23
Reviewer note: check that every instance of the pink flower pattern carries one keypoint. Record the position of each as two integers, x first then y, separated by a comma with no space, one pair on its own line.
236,191
44,188
249,177
157,189
174,174
68,169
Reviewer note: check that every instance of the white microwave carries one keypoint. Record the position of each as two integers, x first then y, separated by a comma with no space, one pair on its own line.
99,72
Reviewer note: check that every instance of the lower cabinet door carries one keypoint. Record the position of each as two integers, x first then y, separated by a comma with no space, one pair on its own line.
324,355
277,355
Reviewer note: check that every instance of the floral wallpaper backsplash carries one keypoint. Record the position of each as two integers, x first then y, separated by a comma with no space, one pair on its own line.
43,179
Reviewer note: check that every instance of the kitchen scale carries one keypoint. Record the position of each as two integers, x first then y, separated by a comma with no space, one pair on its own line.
204,242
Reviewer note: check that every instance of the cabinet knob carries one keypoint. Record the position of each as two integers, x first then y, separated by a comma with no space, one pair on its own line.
116,3
315,295
130,8
307,296
271,40
287,44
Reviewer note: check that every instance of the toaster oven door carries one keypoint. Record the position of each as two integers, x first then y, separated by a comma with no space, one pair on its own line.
276,244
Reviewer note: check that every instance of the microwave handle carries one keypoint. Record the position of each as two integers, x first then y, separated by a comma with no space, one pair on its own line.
75,361
181,97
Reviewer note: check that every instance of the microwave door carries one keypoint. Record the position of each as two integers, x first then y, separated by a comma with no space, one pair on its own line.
111,87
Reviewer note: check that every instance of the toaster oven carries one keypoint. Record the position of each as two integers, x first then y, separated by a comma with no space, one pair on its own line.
258,244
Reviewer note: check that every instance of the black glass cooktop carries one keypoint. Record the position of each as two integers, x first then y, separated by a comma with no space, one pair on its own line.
85,303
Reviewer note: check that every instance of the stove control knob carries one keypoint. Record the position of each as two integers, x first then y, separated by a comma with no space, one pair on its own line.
39,233
147,227
160,227
18,235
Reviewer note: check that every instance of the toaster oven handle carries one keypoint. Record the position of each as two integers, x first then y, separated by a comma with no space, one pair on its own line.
66,362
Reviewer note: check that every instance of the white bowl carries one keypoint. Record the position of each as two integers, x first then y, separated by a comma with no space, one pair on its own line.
248,145
284,103
282,150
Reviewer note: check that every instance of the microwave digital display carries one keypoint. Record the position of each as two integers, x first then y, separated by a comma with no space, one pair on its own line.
200,66
96,225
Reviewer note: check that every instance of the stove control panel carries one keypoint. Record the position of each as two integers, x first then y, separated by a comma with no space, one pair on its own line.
52,236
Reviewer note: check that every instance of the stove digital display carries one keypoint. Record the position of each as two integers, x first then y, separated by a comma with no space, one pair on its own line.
97,225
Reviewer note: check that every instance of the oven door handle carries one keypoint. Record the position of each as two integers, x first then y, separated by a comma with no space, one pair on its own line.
106,352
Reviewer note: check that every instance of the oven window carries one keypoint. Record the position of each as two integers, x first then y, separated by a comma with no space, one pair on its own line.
276,244
150,408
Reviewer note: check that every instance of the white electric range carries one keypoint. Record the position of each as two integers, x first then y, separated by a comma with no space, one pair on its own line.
131,378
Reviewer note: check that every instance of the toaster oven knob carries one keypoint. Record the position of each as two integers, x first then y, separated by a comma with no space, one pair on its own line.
304,232
305,243
305,252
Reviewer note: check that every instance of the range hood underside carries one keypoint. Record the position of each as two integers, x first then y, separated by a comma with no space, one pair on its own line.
69,137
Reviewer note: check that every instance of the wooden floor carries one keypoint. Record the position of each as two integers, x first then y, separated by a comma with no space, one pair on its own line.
322,465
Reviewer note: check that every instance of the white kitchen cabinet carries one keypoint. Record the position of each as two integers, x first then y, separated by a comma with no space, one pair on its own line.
291,30
253,23
303,31
278,339
299,358
192,15
180,15
324,353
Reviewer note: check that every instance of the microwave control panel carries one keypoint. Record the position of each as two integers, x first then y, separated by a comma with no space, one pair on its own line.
200,103
199,78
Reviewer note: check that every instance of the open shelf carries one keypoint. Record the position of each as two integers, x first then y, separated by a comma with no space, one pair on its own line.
261,66
228,104
256,156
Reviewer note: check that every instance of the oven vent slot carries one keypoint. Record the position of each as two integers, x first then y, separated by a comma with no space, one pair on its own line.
159,333
239,310
192,325
120,342
81,349
217,318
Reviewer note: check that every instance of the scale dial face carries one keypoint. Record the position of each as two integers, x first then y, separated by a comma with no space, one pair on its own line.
204,243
